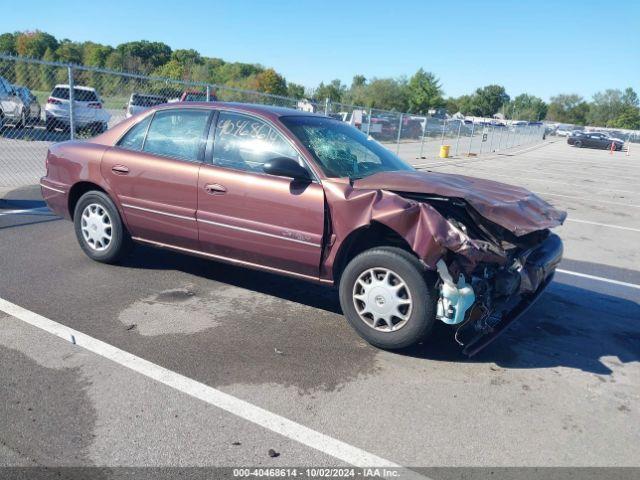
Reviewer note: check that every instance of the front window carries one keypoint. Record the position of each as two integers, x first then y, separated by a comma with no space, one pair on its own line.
246,143
342,150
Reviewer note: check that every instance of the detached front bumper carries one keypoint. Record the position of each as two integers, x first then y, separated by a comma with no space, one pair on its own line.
483,326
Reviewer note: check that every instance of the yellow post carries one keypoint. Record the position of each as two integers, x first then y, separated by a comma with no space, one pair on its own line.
444,151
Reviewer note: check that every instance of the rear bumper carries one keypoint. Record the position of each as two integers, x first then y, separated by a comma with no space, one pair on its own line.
483,327
56,196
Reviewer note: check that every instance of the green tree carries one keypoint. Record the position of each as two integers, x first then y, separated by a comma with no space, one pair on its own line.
424,92
387,94
47,73
358,81
269,81
34,44
568,108
144,56
630,97
629,118
172,69
69,52
526,107
295,90
94,54
487,101
334,91
605,107
8,43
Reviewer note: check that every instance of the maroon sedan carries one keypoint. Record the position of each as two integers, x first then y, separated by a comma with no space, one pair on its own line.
311,197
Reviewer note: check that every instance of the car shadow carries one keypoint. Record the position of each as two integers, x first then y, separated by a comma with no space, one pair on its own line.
315,296
568,327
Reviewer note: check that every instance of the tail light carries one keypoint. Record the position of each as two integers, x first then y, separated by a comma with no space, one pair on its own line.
95,105
53,101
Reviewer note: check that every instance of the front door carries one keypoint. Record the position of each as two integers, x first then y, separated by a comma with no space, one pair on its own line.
255,218
153,171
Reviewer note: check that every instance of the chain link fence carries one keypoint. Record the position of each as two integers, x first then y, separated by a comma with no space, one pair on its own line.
46,102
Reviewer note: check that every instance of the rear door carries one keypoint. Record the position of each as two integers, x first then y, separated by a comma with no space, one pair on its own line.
153,171
249,216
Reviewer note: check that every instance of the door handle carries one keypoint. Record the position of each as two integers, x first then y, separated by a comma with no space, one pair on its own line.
215,189
120,169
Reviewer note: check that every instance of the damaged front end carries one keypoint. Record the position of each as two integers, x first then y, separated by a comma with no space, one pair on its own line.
489,243
488,296
486,301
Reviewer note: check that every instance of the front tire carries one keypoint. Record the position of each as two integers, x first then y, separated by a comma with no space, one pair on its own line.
388,298
99,228
578,144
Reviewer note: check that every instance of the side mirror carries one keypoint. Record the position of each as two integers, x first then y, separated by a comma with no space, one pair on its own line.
286,167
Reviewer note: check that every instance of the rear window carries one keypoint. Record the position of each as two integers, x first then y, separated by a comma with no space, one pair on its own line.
79,95
147,100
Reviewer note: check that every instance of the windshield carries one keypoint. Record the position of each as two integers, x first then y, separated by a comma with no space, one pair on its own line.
342,150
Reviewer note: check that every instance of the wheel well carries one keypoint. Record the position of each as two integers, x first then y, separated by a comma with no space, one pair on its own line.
77,191
373,235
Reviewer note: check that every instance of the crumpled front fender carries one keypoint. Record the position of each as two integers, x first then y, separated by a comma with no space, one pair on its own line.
426,231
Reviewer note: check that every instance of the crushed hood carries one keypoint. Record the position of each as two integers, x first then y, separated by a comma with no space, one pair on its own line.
513,208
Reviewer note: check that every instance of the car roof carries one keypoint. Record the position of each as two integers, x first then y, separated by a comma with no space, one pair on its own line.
77,87
260,109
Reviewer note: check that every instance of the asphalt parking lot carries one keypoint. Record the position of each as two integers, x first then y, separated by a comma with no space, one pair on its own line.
560,388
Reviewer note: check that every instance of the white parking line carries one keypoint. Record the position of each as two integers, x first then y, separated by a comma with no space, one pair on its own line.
599,279
608,225
589,200
28,211
271,421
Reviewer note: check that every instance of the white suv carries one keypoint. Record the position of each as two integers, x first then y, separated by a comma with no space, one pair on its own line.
88,111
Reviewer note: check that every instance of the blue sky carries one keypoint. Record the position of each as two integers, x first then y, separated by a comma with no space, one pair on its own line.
542,47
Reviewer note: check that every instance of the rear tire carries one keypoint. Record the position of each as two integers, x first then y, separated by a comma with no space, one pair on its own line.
578,144
370,297
99,228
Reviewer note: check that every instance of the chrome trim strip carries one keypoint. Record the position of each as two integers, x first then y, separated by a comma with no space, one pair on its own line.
150,210
257,232
232,261
51,188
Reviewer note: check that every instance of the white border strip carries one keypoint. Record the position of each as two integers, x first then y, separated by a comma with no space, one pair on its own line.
599,279
252,413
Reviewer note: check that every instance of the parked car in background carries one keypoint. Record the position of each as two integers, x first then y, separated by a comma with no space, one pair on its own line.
87,109
564,130
594,140
197,96
315,199
31,104
138,102
12,110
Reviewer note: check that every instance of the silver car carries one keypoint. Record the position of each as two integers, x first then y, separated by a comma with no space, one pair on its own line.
32,107
12,110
